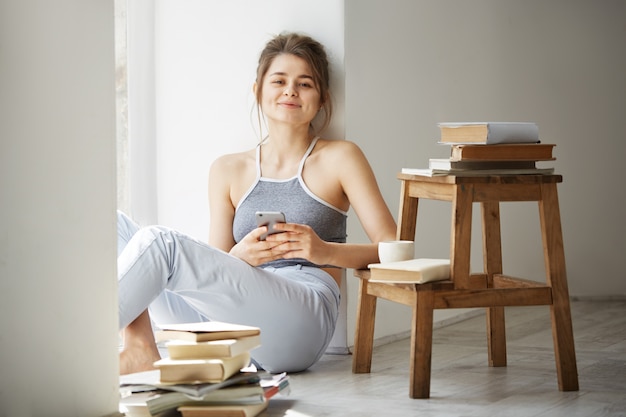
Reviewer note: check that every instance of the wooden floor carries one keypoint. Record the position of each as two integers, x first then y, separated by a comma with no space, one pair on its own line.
463,385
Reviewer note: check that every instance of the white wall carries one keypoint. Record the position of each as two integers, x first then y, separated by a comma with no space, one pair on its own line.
58,287
141,175
206,57
411,64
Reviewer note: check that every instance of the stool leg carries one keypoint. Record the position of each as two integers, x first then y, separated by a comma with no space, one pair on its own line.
364,331
562,331
421,345
496,336
492,260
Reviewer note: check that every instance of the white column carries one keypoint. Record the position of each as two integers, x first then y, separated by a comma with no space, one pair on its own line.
58,287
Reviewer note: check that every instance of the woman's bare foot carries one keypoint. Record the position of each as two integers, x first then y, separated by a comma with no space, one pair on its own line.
140,350
138,359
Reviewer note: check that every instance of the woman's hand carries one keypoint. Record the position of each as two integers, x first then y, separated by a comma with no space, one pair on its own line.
294,241
300,241
256,252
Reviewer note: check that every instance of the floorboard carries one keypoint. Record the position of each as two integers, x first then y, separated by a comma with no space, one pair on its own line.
463,385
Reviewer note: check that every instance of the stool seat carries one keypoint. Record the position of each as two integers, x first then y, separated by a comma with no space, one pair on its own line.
491,289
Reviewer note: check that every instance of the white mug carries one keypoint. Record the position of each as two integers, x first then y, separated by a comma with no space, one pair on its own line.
396,250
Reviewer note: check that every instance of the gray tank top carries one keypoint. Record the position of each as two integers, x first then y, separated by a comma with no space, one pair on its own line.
292,197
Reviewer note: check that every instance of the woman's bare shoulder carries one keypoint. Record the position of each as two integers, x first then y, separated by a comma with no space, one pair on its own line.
340,151
339,147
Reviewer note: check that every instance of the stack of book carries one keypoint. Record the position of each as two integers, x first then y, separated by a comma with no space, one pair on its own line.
207,373
489,148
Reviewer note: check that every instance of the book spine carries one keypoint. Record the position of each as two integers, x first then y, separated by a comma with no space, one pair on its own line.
528,152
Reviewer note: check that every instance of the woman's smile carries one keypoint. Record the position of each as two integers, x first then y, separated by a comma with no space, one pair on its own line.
289,105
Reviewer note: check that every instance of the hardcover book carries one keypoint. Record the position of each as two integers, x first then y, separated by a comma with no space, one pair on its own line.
413,271
503,152
225,348
489,133
429,172
449,165
242,410
204,331
182,371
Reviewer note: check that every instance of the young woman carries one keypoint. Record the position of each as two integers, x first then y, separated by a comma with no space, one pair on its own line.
288,284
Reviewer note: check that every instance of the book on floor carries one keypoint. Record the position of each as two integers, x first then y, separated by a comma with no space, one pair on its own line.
413,271
135,406
204,331
241,391
200,370
157,402
489,133
151,381
241,410
224,348
275,384
503,152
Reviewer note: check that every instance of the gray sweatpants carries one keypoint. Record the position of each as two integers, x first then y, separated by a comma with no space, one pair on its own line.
181,279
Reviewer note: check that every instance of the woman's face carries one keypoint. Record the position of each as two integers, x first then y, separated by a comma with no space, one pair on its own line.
289,93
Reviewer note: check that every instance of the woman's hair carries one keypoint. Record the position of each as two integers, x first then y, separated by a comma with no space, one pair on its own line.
313,53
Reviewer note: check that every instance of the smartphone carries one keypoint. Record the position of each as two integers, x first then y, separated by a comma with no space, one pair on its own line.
269,219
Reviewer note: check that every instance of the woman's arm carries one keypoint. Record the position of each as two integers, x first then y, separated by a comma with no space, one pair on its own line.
355,181
361,188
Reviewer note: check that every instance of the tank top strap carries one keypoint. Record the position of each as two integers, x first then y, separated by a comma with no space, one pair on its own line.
258,161
306,155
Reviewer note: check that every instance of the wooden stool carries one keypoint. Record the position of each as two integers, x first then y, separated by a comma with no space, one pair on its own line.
491,289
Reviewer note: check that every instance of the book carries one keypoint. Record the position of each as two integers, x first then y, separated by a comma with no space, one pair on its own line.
160,401
135,406
200,370
503,152
150,381
225,348
204,331
241,410
413,271
489,133
142,395
277,383
429,172
450,165
245,394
